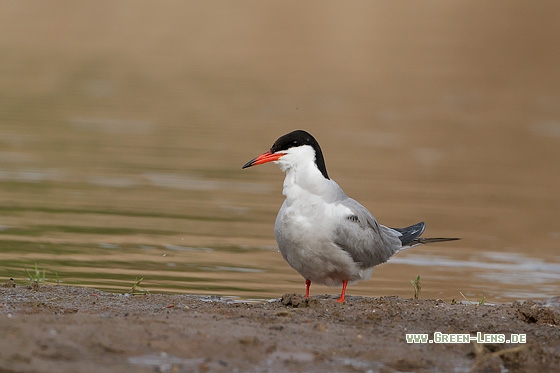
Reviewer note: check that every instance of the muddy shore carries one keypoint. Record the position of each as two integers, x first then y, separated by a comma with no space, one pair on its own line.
69,329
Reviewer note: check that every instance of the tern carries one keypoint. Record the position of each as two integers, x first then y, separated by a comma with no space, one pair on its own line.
326,236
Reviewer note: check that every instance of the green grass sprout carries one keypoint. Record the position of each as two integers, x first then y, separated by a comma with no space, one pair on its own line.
136,289
417,287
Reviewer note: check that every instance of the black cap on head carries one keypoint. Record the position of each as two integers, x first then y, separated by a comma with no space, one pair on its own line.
301,138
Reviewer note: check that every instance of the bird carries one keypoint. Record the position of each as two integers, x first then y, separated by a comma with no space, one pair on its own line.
326,236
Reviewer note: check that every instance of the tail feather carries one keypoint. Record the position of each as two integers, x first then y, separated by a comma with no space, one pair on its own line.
410,236
430,240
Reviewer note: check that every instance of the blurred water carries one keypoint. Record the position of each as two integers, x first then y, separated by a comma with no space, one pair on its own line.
121,147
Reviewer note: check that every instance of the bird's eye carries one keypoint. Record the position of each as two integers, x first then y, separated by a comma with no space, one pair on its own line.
295,142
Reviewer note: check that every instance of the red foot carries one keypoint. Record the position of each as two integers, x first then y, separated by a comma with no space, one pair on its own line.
341,299
307,285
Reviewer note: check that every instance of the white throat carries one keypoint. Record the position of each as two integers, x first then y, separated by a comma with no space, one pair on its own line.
302,175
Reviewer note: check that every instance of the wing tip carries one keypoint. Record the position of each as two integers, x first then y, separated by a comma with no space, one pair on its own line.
411,233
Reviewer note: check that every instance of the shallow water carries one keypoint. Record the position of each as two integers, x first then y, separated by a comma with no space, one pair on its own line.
121,153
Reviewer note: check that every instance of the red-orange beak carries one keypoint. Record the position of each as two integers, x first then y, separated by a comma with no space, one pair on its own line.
263,158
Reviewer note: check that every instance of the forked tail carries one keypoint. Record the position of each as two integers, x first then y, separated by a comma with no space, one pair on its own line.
421,241
410,236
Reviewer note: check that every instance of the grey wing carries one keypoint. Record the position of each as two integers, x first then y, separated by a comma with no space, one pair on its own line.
367,242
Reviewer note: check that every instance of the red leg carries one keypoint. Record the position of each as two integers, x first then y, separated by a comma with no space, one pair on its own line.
341,299
307,285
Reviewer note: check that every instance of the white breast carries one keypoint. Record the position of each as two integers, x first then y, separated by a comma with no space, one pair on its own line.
304,229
